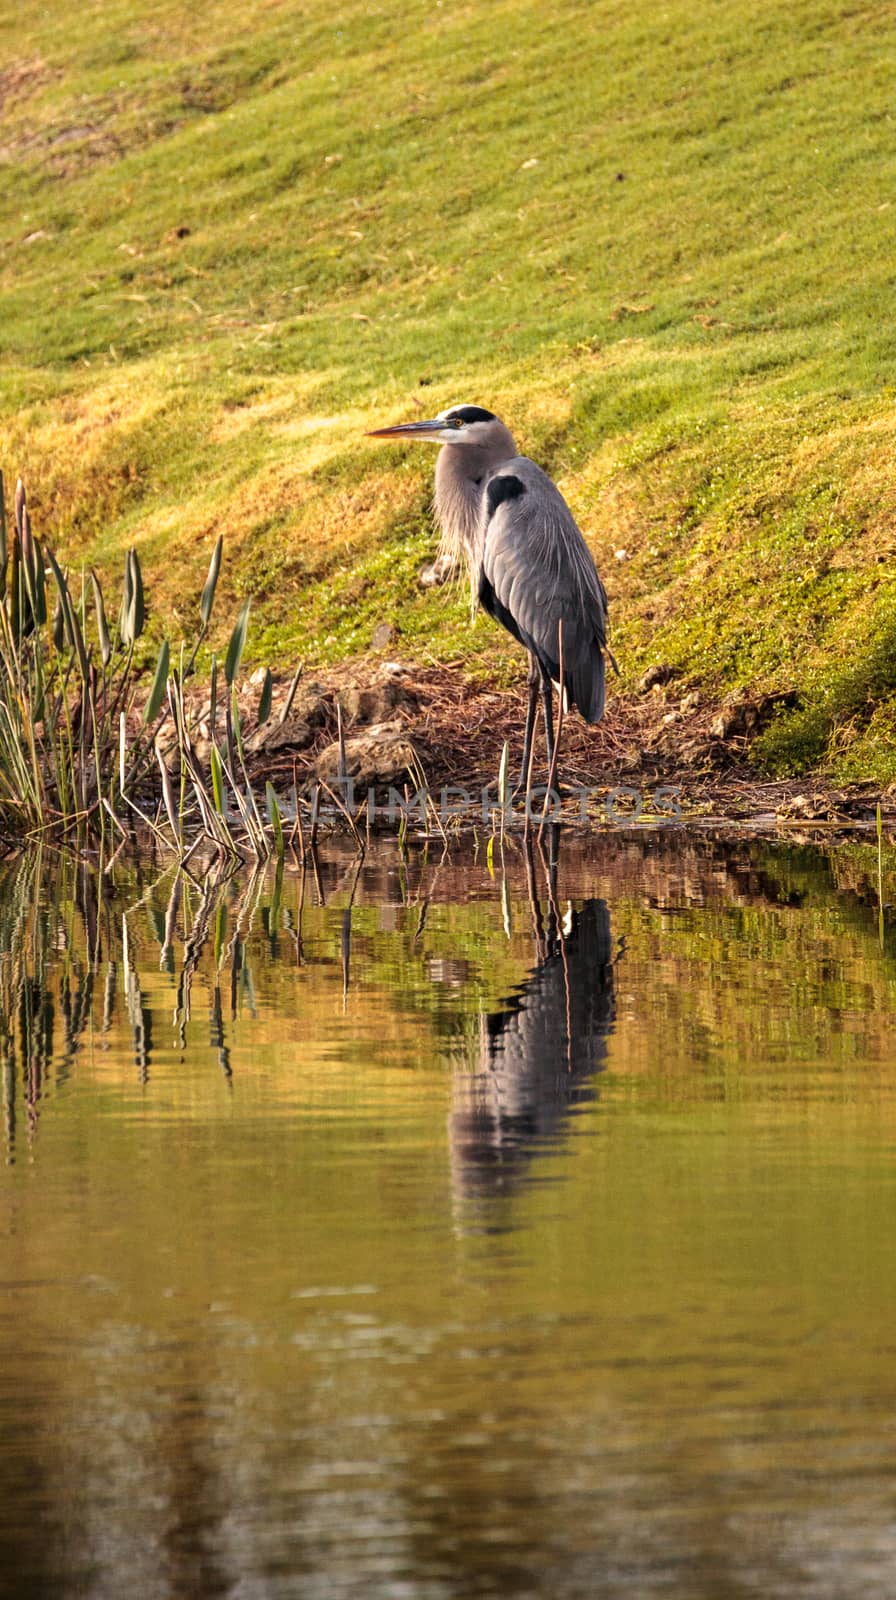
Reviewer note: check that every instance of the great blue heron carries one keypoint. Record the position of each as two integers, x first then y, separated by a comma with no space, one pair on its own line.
528,561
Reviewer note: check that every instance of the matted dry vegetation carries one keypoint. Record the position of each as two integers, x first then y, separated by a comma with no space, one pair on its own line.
656,750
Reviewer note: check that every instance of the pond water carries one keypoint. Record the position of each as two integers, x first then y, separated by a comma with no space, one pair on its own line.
425,1229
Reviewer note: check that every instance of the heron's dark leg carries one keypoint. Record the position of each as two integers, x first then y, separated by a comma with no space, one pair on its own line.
534,680
548,715
534,902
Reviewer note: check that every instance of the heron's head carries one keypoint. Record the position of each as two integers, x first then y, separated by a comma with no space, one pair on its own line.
462,425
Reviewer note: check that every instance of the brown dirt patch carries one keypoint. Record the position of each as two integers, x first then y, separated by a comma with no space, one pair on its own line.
22,78
662,738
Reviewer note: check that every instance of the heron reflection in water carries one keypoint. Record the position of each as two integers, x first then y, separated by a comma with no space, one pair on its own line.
539,1052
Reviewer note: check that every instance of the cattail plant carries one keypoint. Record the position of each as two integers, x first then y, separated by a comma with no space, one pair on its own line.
80,746
62,693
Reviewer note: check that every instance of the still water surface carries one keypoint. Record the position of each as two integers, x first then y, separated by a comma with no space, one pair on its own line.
423,1232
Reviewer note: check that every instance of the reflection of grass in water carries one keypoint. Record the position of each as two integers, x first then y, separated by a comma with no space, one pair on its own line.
84,958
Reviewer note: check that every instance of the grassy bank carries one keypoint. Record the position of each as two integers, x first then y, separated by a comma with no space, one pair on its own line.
660,243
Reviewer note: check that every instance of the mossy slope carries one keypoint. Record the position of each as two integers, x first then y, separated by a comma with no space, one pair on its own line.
662,244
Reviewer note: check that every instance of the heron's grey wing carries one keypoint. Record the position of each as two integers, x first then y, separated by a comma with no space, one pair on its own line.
537,572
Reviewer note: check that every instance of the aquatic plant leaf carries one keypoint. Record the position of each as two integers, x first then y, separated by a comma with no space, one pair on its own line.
151,709
59,633
211,583
213,700
64,597
37,582
125,608
80,647
72,626
274,815
237,644
136,608
217,771
102,626
267,695
168,795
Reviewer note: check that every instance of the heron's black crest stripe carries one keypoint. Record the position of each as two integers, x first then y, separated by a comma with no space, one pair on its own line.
470,414
504,487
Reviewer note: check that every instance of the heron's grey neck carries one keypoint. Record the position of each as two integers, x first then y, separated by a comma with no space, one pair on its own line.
461,474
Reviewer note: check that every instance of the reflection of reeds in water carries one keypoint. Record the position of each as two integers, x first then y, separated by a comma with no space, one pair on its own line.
82,950
36,939
64,955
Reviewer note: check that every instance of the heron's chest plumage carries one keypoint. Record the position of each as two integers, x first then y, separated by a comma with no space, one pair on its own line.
458,501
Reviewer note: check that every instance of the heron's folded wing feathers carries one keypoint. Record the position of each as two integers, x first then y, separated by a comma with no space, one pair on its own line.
541,573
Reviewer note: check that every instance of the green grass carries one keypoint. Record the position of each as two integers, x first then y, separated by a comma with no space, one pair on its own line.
660,242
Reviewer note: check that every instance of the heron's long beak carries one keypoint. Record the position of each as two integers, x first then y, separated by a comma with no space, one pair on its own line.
413,430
